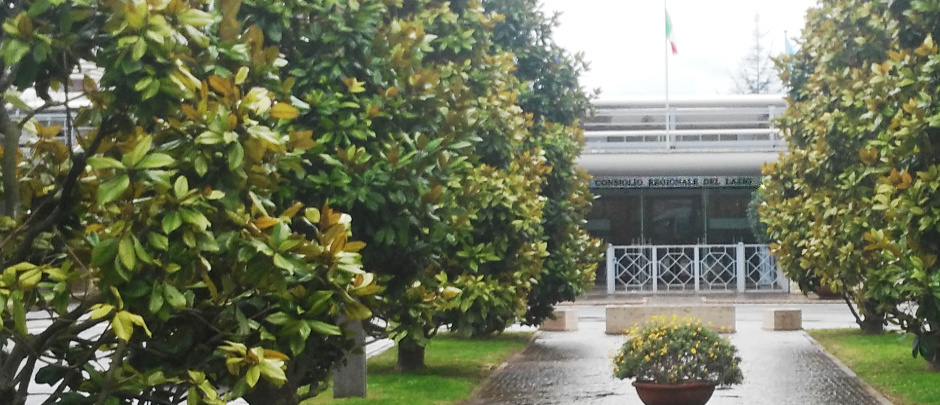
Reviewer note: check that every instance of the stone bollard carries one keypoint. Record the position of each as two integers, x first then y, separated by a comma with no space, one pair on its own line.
718,318
565,320
783,319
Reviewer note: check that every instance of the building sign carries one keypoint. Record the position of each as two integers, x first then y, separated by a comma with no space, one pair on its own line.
676,182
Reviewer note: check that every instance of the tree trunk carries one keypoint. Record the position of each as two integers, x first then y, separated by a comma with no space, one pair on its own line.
410,356
266,393
933,363
873,322
11,144
869,320
871,325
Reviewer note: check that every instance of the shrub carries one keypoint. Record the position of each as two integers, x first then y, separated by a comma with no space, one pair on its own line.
677,351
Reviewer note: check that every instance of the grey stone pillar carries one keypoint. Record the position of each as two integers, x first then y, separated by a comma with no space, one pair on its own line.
349,380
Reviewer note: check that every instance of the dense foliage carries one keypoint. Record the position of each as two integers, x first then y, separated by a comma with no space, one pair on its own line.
431,154
422,143
677,351
552,94
163,257
852,204
183,246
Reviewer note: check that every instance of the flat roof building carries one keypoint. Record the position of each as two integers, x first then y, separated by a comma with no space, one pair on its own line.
673,186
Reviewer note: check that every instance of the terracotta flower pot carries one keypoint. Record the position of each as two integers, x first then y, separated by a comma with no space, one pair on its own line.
674,394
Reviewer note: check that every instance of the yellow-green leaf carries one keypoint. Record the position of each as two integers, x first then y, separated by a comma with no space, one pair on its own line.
241,75
272,371
100,162
29,278
353,85
195,218
99,311
136,320
140,150
140,48
122,327
284,111
324,328
181,187
126,252
156,160
195,18
209,138
171,222
112,189
252,376
19,312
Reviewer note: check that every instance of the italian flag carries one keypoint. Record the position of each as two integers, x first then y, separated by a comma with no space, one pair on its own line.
669,37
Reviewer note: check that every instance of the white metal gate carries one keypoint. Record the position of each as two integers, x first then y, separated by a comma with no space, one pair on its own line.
725,268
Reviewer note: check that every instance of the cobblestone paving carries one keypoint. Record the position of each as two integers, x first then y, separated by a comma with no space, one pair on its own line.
780,368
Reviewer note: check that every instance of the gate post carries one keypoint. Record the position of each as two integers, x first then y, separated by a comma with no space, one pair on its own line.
611,273
696,268
739,266
655,268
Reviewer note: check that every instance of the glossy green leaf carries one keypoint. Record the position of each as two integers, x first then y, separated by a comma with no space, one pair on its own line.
156,300
195,218
253,375
126,252
171,221
181,187
101,162
156,160
140,150
324,328
174,297
112,189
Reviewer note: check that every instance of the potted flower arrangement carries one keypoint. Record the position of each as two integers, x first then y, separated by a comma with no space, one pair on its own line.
677,362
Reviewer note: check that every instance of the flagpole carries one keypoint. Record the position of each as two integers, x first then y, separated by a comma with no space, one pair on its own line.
666,53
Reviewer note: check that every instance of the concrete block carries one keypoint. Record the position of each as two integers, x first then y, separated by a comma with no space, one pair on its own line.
719,318
565,320
783,319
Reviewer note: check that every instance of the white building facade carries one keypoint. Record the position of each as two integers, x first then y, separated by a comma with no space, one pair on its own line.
673,185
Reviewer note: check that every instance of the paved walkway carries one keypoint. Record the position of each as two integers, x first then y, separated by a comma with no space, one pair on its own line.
780,368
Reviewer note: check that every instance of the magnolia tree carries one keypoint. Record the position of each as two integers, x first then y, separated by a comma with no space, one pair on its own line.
423,143
164,257
551,93
862,172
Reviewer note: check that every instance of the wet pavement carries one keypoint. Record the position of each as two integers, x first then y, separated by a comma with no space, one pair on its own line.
780,367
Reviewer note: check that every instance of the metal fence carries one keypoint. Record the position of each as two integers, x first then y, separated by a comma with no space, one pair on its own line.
700,268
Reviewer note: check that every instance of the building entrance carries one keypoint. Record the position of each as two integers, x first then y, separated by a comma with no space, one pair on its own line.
671,217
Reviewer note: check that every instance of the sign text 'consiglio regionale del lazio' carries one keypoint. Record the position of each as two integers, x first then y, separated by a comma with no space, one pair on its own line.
676,182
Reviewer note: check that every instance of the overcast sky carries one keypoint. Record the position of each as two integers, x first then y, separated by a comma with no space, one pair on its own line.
624,40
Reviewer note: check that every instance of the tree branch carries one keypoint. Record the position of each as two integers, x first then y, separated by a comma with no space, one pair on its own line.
858,319
21,350
23,378
53,212
11,143
116,361
76,374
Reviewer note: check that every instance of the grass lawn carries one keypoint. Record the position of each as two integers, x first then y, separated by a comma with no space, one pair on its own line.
455,367
885,362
